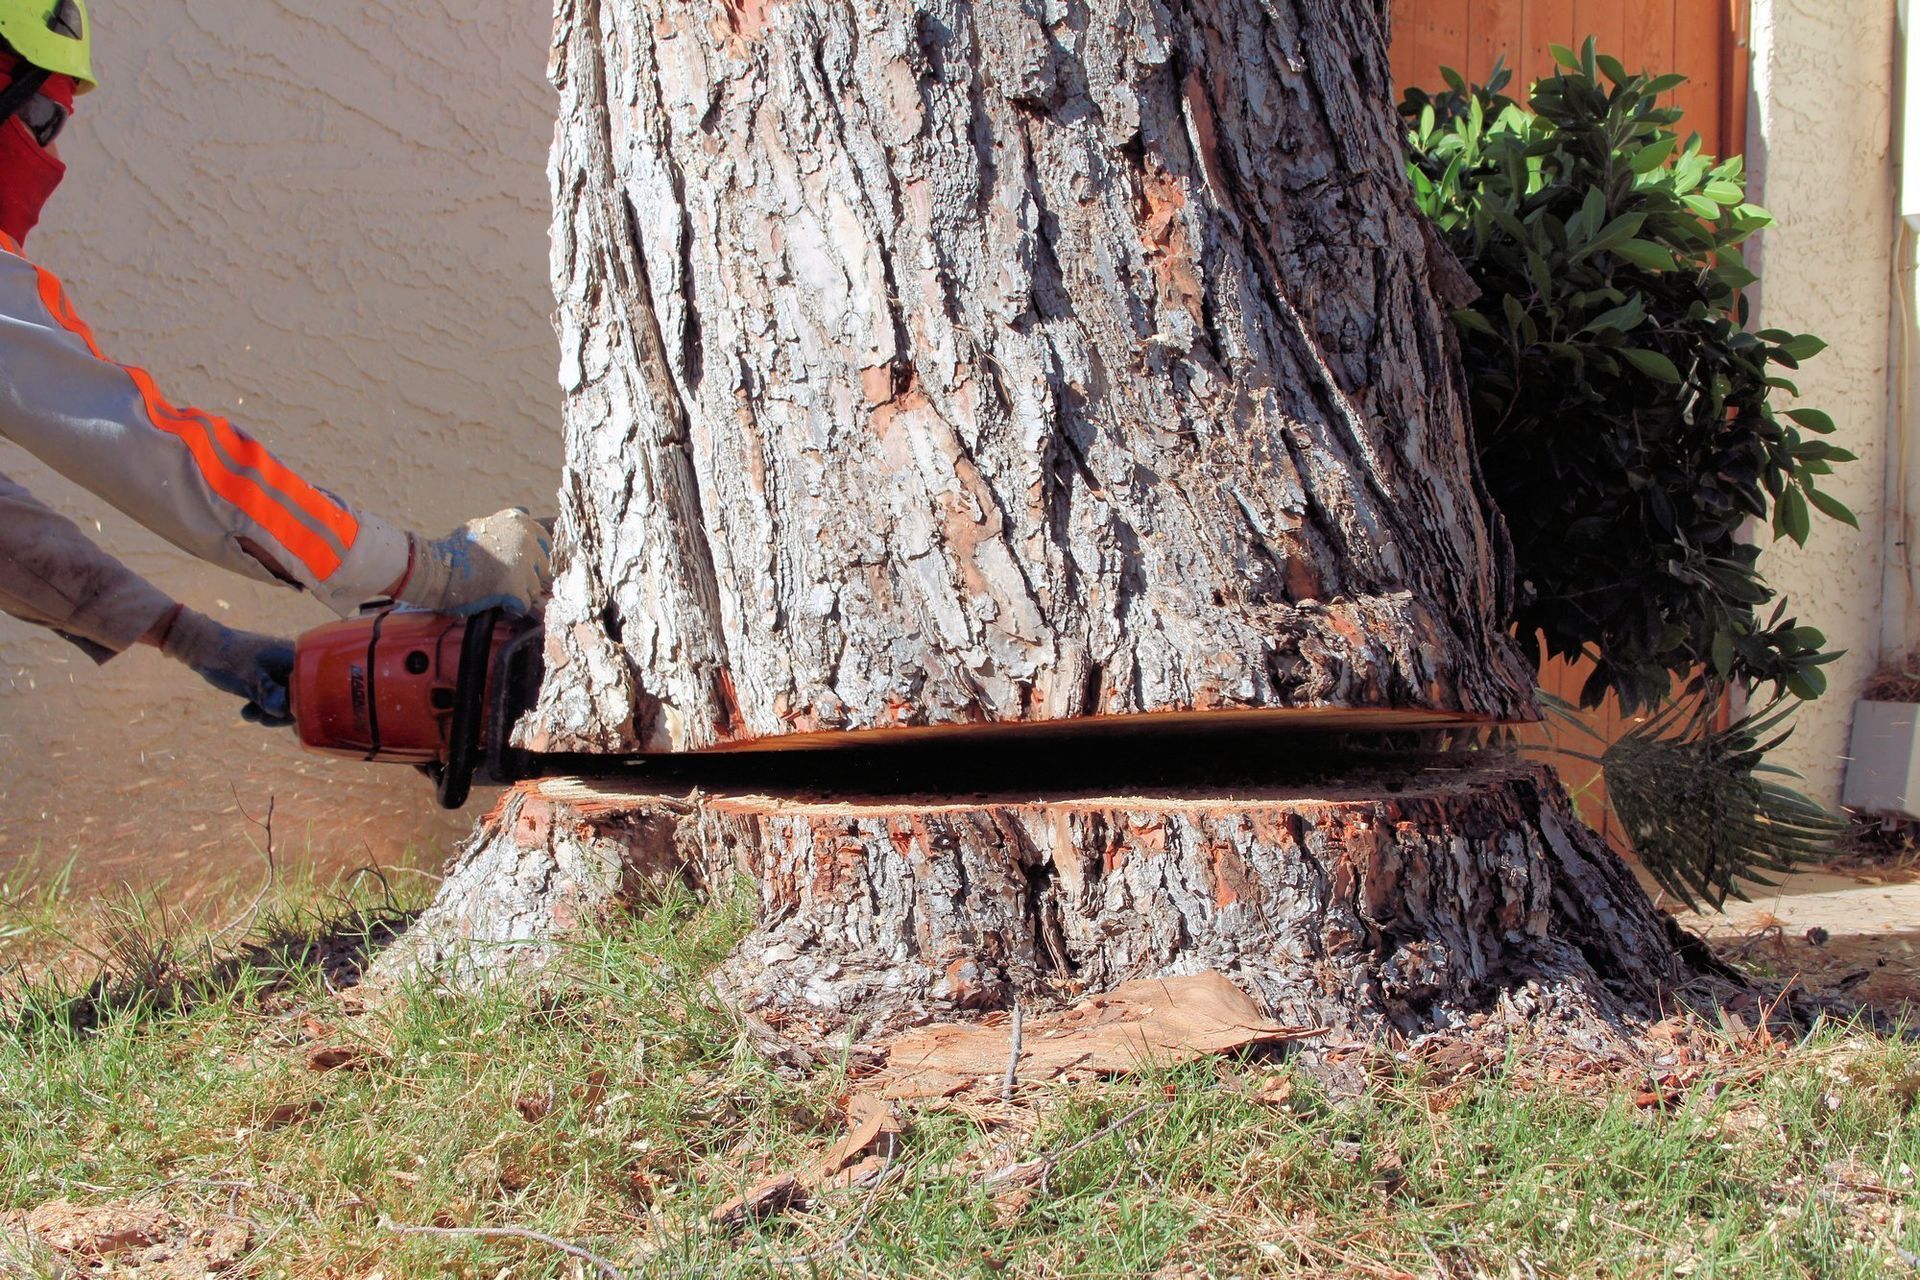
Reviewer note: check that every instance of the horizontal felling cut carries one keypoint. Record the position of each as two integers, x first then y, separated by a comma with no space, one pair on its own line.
1149,730
1393,901
933,363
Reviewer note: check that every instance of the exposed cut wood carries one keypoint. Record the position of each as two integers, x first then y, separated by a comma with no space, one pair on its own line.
1397,899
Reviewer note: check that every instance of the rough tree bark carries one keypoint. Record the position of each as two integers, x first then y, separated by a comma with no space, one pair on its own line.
935,363
1378,903
1056,364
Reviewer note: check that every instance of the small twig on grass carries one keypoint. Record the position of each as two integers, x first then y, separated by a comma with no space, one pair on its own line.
1042,1168
572,1250
1013,1055
246,918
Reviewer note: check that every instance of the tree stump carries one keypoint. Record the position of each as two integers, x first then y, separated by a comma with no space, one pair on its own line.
1388,901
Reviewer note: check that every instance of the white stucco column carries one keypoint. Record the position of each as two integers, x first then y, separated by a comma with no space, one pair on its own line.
1820,148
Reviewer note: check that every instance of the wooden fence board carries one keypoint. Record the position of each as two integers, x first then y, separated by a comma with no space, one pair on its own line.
1700,36
1701,39
1430,35
1494,30
1545,24
1606,22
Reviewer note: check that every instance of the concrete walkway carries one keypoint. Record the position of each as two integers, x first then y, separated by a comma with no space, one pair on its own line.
1841,904
1852,933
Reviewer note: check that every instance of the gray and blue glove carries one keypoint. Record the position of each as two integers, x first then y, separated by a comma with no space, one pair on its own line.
504,560
247,665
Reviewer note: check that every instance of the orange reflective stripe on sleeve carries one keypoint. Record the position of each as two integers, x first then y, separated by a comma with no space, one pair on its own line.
54,298
242,491
251,454
277,509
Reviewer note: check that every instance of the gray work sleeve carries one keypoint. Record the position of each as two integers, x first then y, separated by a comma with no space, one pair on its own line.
190,476
53,575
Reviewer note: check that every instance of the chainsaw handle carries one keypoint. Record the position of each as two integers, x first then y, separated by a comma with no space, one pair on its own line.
455,782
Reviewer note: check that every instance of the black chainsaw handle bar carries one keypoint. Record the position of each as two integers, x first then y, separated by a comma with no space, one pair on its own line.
455,782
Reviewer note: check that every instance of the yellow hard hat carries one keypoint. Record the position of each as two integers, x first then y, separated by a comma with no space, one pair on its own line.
53,35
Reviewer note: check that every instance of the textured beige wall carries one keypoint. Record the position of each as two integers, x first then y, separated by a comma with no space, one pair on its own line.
1821,140
326,219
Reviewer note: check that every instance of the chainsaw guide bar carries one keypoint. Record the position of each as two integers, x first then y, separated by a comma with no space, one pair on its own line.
443,694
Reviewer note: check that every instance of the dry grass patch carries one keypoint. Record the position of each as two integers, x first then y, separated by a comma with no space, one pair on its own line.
621,1120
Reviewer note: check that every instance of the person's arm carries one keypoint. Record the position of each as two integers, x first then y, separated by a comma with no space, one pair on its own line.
209,488
53,575
189,476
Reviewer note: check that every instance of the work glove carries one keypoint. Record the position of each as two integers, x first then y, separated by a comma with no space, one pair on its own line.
243,663
504,560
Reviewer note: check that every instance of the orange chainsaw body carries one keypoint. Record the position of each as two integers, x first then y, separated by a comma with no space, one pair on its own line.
406,686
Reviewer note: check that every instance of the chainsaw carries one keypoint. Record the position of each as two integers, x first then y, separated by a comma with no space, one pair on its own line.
405,686
443,694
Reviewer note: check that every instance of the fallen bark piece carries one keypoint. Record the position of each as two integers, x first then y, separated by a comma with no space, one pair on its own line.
338,1057
872,1128
137,1239
1140,1025
774,1195
98,1231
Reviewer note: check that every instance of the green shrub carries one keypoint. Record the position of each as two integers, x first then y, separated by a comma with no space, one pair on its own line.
1621,405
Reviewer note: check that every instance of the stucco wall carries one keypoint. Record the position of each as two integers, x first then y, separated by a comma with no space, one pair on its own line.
326,219
1820,139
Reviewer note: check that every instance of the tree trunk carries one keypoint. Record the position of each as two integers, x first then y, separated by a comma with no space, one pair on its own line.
1034,367
1343,906
930,363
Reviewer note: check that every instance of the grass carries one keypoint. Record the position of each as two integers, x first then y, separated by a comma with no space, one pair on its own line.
621,1105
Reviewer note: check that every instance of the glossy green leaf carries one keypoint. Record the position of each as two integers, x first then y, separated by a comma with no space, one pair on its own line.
1803,347
1653,155
1813,420
1790,519
1625,317
1832,507
1651,363
1645,254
